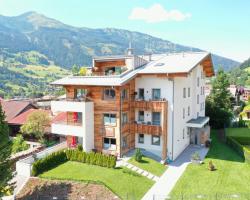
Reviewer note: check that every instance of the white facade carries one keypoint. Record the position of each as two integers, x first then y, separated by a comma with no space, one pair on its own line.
85,131
181,107
166,85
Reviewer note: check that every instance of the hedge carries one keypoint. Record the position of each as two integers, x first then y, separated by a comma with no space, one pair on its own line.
60,157
242,140
91,158
49,162
240,149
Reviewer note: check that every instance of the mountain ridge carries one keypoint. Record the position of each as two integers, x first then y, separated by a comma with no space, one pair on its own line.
67,45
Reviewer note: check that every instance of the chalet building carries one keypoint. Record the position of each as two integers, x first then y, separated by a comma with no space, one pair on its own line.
16,112
153,102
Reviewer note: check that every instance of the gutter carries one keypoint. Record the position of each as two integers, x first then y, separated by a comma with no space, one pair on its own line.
173,123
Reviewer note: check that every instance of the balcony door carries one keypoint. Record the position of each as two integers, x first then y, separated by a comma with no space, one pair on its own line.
156,94
156,118
141,94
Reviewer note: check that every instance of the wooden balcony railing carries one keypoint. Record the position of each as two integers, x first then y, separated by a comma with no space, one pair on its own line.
155,105
148,129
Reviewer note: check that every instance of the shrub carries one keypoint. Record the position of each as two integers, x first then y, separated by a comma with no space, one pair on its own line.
49,162
207,143
19,144
241,150
138,155
79,147
211,166
91,158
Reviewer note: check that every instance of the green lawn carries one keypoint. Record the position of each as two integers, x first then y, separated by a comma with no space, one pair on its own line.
238,132
231,177
149,165
121,183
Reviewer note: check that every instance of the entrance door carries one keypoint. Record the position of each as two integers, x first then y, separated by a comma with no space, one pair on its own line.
196,139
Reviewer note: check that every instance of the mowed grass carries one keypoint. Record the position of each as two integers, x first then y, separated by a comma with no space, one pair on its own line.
232,175
149,165
238,132
123,184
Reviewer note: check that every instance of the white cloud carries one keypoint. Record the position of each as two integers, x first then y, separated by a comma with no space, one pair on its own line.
157,13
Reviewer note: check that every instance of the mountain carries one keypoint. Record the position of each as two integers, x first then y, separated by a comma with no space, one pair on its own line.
245,64
66,45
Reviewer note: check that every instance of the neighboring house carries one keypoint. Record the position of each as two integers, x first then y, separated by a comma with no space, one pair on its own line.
16,112
154,102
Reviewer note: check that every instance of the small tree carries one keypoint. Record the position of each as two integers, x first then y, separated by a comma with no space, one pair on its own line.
218,104
138,155
75,70
83,71
5,153
19,144
36,124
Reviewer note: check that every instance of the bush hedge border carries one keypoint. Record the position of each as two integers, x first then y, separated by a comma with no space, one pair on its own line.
56,158
239,148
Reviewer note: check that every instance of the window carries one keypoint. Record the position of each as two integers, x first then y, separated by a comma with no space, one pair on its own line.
141,93
156,140
109,93
184,92
141,138
188,110
109,119
124,94
125,142
80,93
189,94
183,134
141,116
109,143
198,82
183,113
124,118
156,118
198,114
156,94
198,99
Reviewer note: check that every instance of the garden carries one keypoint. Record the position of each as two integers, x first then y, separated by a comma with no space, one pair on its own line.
96,168
147,164
231,174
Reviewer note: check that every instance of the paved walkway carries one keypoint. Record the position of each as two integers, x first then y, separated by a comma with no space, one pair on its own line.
162,188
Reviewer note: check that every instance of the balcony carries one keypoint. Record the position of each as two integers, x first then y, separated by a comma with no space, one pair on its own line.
61,128
71,105
154,105
148,129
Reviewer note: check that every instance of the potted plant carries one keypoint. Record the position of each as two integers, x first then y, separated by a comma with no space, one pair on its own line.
195,158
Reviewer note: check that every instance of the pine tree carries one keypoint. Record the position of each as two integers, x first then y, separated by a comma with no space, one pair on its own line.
218,104
5,153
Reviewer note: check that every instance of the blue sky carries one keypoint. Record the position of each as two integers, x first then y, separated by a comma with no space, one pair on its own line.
219,26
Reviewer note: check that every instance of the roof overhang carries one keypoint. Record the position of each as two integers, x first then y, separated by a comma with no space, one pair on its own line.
198,122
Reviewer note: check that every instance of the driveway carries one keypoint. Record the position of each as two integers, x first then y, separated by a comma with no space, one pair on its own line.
162,188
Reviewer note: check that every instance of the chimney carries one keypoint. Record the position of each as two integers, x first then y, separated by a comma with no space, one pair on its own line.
130,50
148,56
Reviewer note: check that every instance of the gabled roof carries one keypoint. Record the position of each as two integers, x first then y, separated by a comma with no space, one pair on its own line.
13,108
21,119
168,64
174,63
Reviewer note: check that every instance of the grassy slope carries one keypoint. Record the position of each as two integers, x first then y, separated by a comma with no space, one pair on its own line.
239,132
149,165
231,177
121,183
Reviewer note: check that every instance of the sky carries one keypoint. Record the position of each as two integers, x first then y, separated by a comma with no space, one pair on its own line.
218,26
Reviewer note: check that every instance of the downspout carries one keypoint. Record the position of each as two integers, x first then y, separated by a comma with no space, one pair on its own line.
120,123
173,122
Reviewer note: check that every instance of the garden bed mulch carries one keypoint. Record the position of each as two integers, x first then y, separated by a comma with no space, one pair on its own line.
37,188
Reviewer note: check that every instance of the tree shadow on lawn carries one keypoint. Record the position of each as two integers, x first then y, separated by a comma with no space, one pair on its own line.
221,151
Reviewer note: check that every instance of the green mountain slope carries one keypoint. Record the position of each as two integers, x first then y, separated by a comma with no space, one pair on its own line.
66,45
